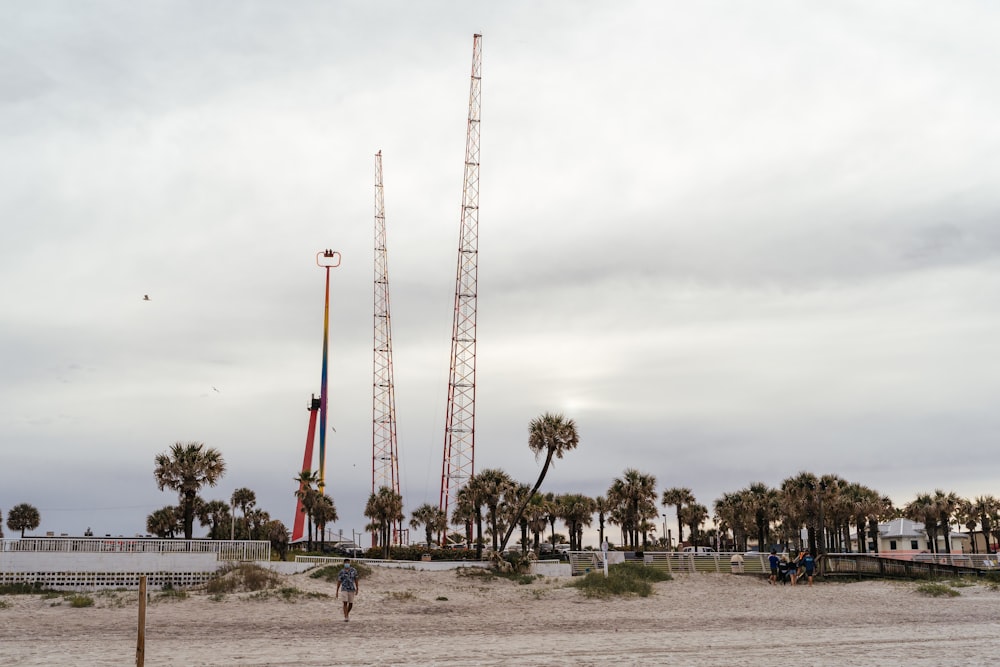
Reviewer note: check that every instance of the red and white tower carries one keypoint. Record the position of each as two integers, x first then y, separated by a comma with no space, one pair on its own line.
385,460
460,427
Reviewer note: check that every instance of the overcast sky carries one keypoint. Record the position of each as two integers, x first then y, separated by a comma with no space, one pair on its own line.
733,241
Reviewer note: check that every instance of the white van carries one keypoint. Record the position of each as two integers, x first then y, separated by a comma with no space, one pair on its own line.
699,550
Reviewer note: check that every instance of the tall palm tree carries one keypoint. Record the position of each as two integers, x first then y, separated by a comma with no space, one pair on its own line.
988,510
967,517
493,484
678,496
324,512
694,515
307,495
602,507
185,468
431,517
731,513
554,435
762,504
384,508
799,504
244,498
634,496
923,509
946,505
577,510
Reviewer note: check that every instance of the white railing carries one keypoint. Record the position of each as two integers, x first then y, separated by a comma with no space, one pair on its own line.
239,550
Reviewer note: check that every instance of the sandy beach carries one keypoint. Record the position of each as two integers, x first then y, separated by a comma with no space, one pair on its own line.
406,617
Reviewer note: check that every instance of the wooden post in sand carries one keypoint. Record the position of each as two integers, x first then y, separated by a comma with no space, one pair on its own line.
140,643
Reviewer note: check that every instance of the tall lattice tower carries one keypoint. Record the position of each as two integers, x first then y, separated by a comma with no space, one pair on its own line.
385,459
460,427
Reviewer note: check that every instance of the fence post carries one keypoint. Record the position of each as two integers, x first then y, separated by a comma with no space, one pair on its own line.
140,644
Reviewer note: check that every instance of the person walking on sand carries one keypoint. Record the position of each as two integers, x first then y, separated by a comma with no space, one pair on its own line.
347,581
773,561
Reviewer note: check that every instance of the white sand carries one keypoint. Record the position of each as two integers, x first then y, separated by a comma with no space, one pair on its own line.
699,620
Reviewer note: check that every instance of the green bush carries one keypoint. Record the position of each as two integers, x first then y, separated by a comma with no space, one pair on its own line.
623,579
81,601
937,590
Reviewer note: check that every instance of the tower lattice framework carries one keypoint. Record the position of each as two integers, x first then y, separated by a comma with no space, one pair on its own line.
460,428
385,459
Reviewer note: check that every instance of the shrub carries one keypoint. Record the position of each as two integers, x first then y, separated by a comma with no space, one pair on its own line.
623,579
329,573
81,601
244,577
936,590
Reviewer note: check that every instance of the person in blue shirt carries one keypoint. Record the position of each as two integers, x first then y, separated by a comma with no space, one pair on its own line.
809,563
773,561
347,581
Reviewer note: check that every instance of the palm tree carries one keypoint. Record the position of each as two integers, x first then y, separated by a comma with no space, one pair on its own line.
163,522
988,509
384,508
432,518
493,484
761,503
694,515
731,513
277,533
678,497
324,512
511,501
946,504
244,498
185,468
799,504
468,511
923,509
23,517
577,511
213,514
602,507
966,516
307,495
555,435
1,524
537,513
257,520
634,498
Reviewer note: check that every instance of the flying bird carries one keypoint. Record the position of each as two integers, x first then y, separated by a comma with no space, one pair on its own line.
145,297
216,390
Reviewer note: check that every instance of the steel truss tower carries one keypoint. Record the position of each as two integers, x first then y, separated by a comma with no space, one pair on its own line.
460,428
385,459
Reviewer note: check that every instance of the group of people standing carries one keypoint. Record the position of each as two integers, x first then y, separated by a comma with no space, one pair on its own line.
784,569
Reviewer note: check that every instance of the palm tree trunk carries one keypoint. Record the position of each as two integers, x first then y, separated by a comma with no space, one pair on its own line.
527,499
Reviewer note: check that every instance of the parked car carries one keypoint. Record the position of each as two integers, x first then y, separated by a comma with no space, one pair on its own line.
699,550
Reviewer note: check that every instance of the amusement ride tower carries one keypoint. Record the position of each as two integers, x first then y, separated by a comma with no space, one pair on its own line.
458,463
385,459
